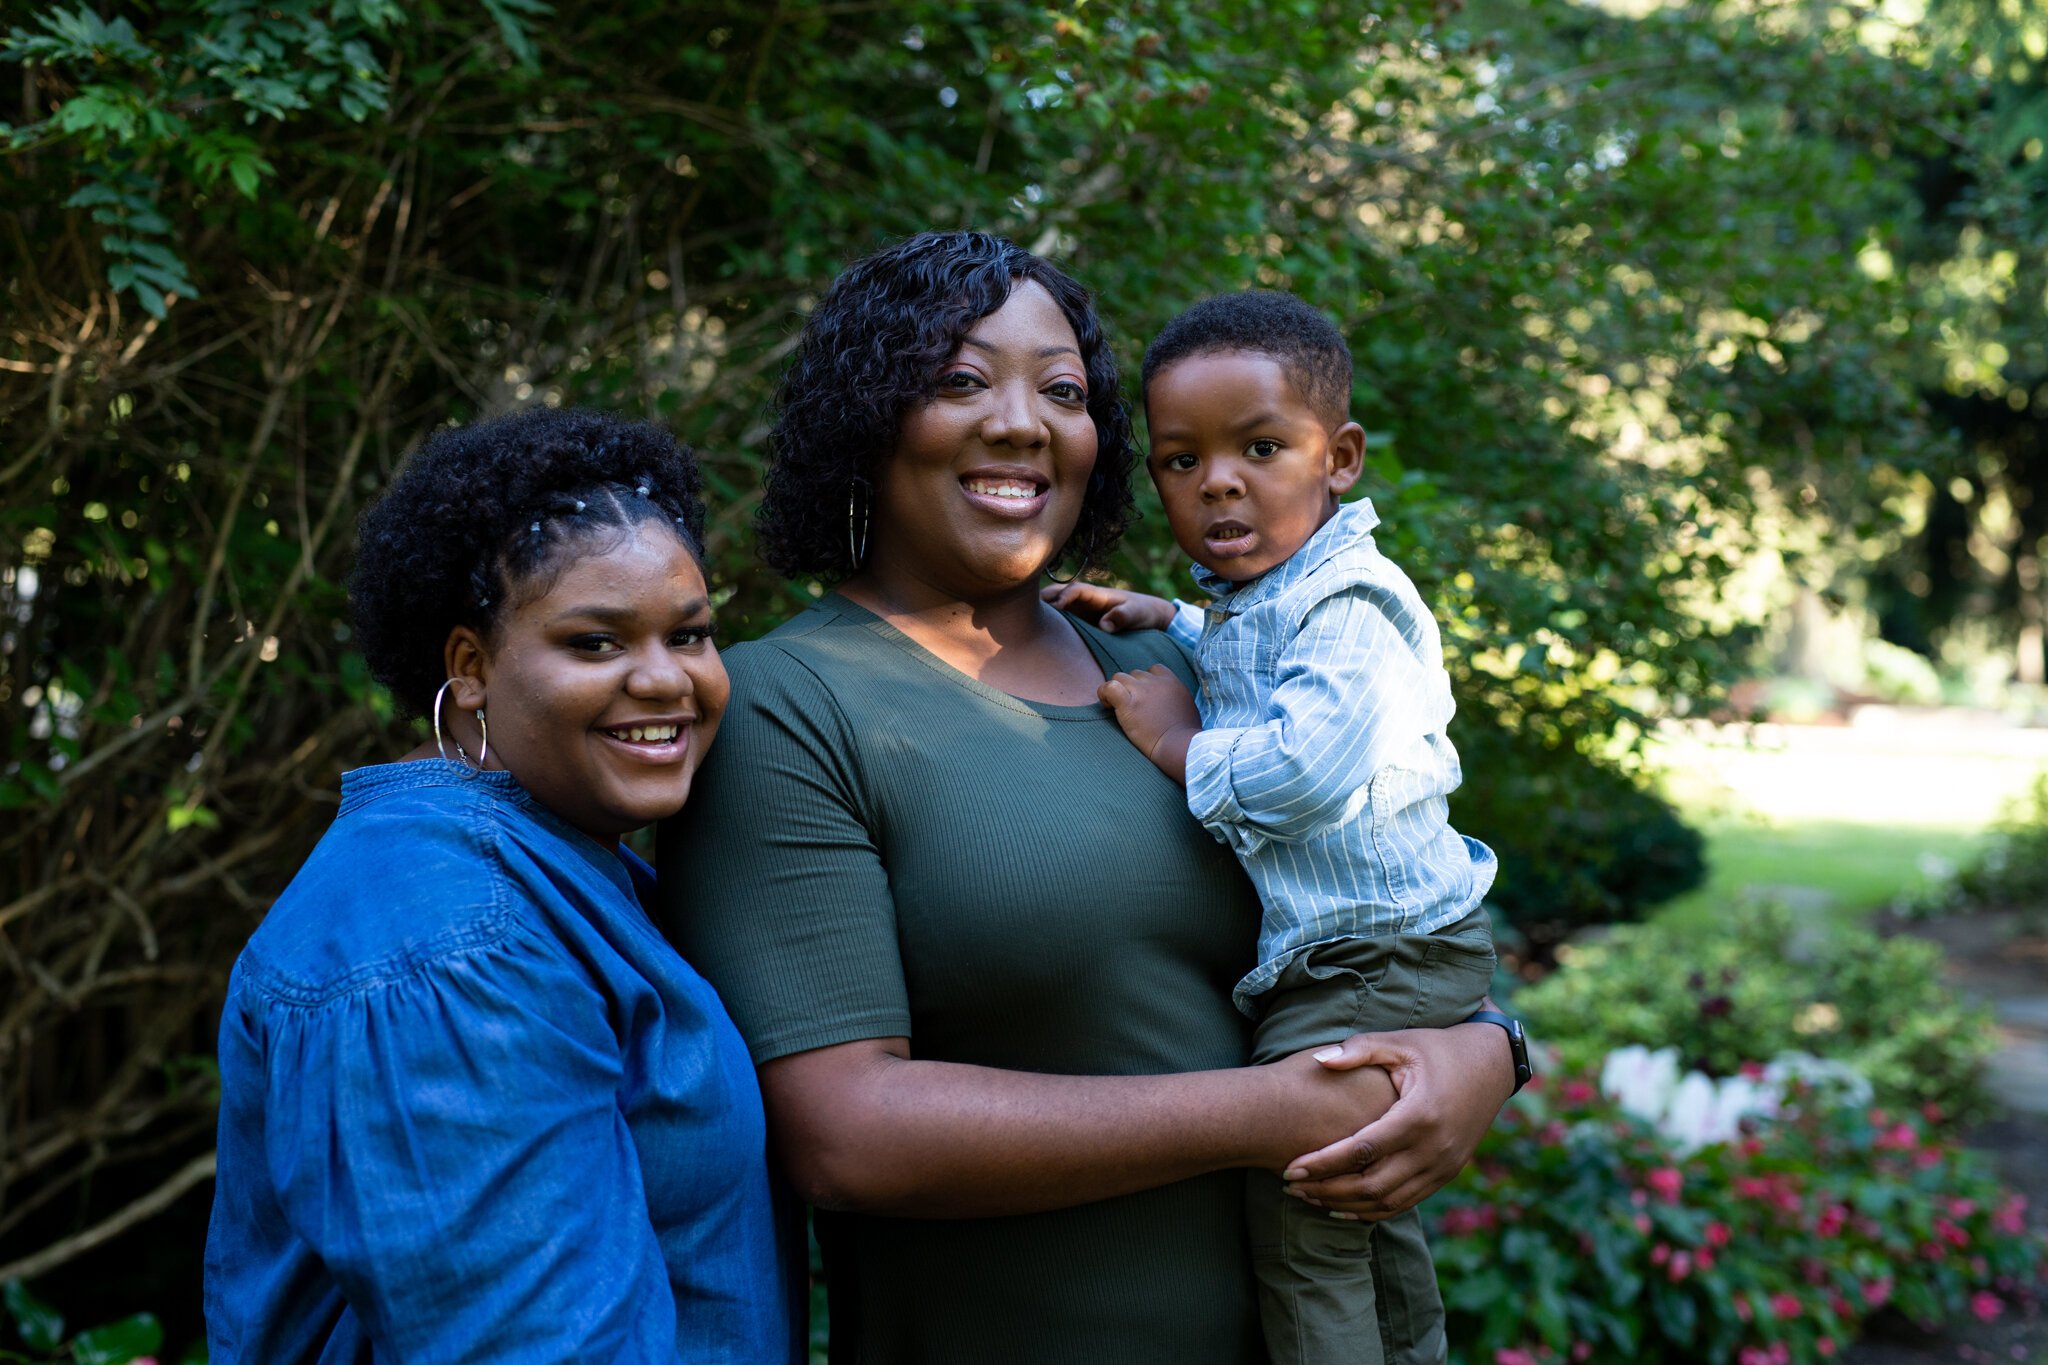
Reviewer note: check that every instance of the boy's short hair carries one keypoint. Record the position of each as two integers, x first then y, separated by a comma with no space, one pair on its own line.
1264,322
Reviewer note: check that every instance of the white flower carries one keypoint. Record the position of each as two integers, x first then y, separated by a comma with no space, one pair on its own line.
1641,1081
1695,1111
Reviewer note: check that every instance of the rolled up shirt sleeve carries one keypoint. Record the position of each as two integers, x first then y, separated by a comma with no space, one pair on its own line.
450,1145
1185,629
1350,694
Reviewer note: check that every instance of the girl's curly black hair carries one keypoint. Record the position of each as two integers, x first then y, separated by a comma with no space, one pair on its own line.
481,517
874,348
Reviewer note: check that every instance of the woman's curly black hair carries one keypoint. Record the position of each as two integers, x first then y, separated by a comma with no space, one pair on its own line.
873,349
481,513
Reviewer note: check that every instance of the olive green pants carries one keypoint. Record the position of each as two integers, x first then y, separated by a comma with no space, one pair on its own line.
1331,1290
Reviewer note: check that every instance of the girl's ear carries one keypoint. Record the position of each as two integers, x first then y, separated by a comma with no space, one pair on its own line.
1347,457
468,661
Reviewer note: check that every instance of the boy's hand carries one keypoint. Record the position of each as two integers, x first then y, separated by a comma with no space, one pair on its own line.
1157,714
1113,609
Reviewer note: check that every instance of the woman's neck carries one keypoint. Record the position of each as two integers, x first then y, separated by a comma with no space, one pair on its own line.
1007,639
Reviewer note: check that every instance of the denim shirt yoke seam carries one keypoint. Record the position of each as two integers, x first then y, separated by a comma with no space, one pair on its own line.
493,926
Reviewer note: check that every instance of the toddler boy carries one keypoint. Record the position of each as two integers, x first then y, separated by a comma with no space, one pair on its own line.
1318,753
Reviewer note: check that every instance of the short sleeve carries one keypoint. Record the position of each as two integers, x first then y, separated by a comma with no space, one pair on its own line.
449,1143
772,882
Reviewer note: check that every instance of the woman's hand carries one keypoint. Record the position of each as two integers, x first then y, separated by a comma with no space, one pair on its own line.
1112,609
1450,1084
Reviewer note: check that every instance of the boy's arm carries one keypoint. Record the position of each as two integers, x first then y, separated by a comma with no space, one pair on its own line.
1114,609
1353,691
1157,714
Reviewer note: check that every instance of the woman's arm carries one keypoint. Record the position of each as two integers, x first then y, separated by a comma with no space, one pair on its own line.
866,1126
1452,1083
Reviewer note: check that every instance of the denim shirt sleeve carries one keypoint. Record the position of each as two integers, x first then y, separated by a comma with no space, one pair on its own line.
1185,629
1349,693
449,1143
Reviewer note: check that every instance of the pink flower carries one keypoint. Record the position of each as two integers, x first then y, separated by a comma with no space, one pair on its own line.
1754,1355
1743,1310
1643,1223
1581,1350
1667,1181
1717,1234
1506,1356
1660,1253
2011,1215
1986,1305
1785,1305
1703,1259
1576,1091
1961,1208
1950,1233
1681,1266
1826,1346
1878,1292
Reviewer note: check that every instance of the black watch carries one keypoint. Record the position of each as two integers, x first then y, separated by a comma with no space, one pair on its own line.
1517,1043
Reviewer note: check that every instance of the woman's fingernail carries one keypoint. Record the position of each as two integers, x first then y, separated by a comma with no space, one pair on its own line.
1345,1217
1329,1054
1295,1173
1292,1193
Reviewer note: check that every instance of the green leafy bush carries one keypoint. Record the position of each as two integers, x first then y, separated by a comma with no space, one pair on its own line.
1580,842
2013,869
1734,993
1580,1235
40,1329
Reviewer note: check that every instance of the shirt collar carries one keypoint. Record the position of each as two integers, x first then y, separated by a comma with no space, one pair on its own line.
1353,522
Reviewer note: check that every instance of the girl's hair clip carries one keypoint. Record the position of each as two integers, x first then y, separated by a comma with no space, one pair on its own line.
483,604
535,528
641,489
579,504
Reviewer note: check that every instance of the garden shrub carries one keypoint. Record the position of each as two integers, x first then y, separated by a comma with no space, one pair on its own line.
1579,1234
39,1328
1731,993
2013,869
1580,842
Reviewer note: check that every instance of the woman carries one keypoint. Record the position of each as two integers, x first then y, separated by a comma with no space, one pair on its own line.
473,1107
980,952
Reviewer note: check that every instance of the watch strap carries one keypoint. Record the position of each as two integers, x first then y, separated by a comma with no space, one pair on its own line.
1518,1043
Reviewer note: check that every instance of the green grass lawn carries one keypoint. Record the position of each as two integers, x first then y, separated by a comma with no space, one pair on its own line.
1836,821
1858,867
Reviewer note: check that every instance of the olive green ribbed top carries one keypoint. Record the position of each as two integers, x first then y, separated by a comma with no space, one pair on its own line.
879,845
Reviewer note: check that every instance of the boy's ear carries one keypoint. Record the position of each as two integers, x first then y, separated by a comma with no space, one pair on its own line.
468,664
1347,457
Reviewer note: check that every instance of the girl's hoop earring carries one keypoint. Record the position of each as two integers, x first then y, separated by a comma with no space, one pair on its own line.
857,549
441,745
483,750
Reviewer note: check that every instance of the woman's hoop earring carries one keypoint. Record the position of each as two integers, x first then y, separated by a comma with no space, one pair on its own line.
1062,581
857,549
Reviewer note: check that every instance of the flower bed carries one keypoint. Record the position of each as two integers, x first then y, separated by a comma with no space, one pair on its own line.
1732,994
1582,1234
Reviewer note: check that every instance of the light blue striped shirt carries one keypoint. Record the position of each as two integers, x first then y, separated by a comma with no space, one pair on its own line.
1323,760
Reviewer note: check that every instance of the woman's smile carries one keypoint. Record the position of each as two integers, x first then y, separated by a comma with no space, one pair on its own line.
1008,491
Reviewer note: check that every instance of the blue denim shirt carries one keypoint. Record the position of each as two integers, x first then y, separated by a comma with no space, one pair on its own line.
475,1108
1323,758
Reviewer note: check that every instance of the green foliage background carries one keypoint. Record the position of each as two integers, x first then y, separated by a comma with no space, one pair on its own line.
1600,268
